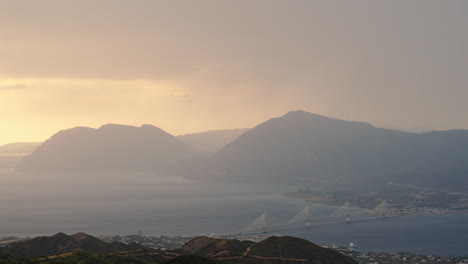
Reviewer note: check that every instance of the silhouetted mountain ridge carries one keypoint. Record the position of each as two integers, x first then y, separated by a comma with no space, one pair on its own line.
297,147
211,141
301,146
110,148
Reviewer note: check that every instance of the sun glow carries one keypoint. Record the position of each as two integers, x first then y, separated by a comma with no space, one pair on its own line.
32,109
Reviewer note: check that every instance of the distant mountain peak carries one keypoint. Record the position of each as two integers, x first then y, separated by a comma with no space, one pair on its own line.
213,140
111,147
149,126
60,234
116,126
301,145
300,112
305,113
81,236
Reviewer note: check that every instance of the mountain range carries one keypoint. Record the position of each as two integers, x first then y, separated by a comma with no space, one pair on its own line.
301,147
297,147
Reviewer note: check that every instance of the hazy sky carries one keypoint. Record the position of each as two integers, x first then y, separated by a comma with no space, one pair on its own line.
189,66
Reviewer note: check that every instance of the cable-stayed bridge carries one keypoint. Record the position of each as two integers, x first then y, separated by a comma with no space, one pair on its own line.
266,223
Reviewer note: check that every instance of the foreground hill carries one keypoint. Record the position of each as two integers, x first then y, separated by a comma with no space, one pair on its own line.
211,247
303,146
271,250
111,148
296,248
82,248
62,243
211,141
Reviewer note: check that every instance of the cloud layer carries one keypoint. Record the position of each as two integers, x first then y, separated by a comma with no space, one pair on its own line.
218,64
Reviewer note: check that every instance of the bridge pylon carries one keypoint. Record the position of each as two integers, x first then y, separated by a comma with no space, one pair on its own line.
264,222
382,209
308,217
348,213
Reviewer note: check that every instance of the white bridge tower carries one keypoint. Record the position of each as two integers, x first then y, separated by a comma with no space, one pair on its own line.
308,217
348,213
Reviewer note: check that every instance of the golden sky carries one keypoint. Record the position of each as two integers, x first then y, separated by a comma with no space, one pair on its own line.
188,66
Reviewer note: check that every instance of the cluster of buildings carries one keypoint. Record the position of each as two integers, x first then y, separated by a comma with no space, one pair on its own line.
399,258
158,242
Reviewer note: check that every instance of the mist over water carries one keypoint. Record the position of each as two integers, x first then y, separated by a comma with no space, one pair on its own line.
122,204
109,203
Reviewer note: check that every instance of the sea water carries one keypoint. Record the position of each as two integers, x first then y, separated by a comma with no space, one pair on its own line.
35,205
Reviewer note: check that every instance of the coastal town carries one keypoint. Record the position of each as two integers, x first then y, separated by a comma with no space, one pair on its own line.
400,199
399,258
161,242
